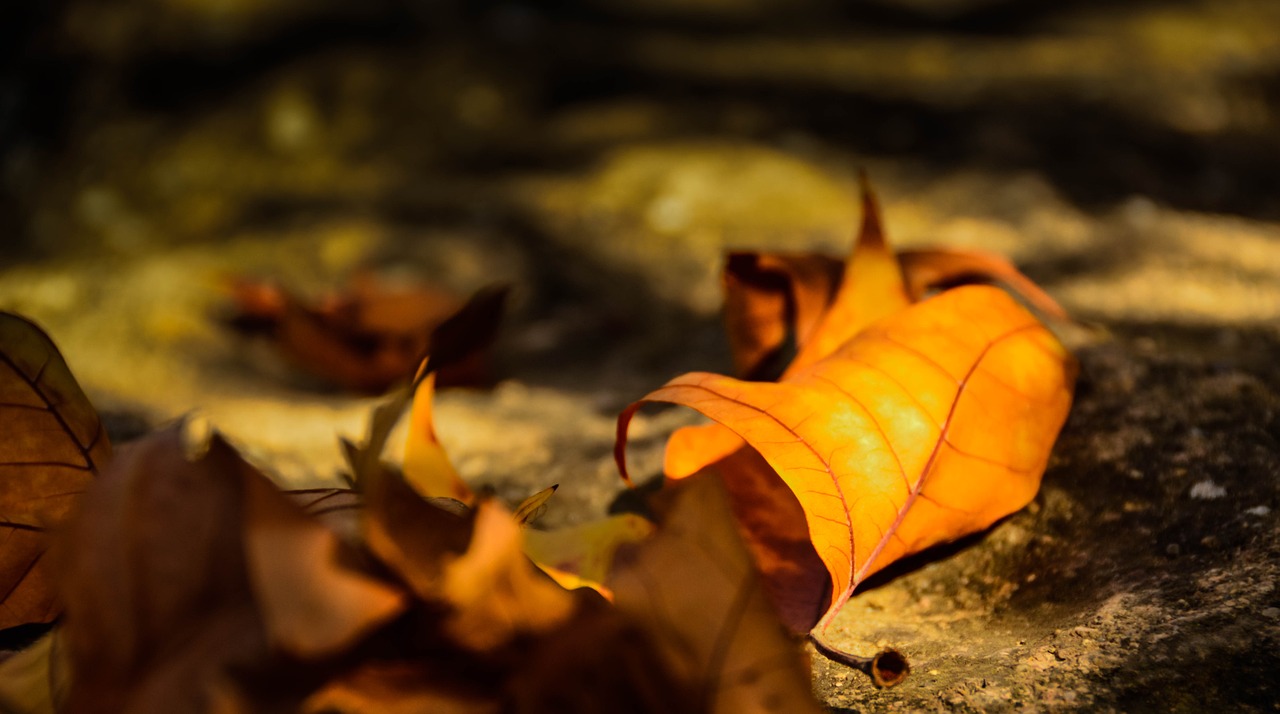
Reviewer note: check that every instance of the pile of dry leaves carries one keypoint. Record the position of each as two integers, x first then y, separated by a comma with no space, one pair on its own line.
181,579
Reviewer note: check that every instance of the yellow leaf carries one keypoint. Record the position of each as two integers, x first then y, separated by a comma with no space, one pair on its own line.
426,465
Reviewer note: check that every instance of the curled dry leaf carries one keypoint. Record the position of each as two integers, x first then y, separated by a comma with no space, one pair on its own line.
374,335
313,601
427,467
693,586
153,575
778,300
473,562
53,443
532,508
496,594
930,424
186,570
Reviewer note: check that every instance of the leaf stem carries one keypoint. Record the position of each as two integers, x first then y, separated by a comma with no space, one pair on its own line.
886,668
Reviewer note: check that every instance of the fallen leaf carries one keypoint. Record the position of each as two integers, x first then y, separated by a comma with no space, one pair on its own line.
158,603
773,300
870,287
772,525
694,587
53,444
532,508
896,427
374,335
313,601
427,467
495,592
924,428
581,556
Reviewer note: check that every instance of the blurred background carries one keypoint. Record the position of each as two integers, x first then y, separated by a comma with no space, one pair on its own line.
129,126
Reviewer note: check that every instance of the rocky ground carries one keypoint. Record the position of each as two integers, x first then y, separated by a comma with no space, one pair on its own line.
601,156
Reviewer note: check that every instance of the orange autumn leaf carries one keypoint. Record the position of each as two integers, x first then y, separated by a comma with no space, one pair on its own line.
427,467
870,288
893,435
924,428
52,442
822,302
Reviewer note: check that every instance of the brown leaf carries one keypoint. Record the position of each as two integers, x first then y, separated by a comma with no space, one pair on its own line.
53,444
314,602
495,593
772,525
153,575
374,335
776,299
413,537
694,588
773,298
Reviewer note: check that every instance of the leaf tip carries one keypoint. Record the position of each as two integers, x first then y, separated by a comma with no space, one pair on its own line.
872,233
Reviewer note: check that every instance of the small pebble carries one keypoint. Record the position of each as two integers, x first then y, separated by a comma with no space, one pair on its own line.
1207,490
1259,511
1172,550
1271,613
